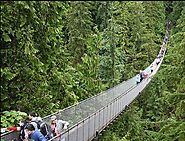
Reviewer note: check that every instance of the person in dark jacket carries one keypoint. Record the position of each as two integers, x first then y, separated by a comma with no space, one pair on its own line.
34,134
20,129
141,75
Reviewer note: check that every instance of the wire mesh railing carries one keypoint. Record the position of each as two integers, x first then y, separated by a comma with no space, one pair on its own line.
93,114
86,129
78,112
83,115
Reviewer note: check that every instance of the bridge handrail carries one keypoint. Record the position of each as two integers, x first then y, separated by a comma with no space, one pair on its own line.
125,93
101,93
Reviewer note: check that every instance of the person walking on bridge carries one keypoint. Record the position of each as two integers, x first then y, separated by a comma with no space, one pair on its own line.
57,126
34,119
138,79
34,134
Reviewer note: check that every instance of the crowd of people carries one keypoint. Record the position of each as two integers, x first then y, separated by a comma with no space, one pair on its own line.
34,128
144,74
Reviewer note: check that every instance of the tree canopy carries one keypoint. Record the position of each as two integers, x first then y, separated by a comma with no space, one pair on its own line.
55,54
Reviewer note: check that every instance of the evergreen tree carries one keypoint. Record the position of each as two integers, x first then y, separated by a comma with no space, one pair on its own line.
159,112
34,39
79,26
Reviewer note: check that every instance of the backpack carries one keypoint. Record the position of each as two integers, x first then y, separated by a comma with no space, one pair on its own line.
22,132
44,128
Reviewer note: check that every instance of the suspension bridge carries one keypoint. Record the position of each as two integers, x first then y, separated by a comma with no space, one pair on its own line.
89,117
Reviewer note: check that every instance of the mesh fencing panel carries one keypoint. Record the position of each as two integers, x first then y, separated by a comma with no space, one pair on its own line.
76,113
85,108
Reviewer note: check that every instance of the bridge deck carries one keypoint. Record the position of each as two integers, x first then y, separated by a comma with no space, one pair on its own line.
95,113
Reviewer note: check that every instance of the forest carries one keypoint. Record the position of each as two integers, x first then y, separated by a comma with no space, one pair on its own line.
56,54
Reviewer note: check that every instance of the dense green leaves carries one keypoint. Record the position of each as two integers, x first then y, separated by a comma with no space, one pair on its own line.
11,118
55,54
159,113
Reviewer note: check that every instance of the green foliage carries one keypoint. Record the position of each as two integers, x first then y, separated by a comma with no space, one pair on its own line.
89,67
78,25
11,118
55,54
158,114
176,13
34,52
